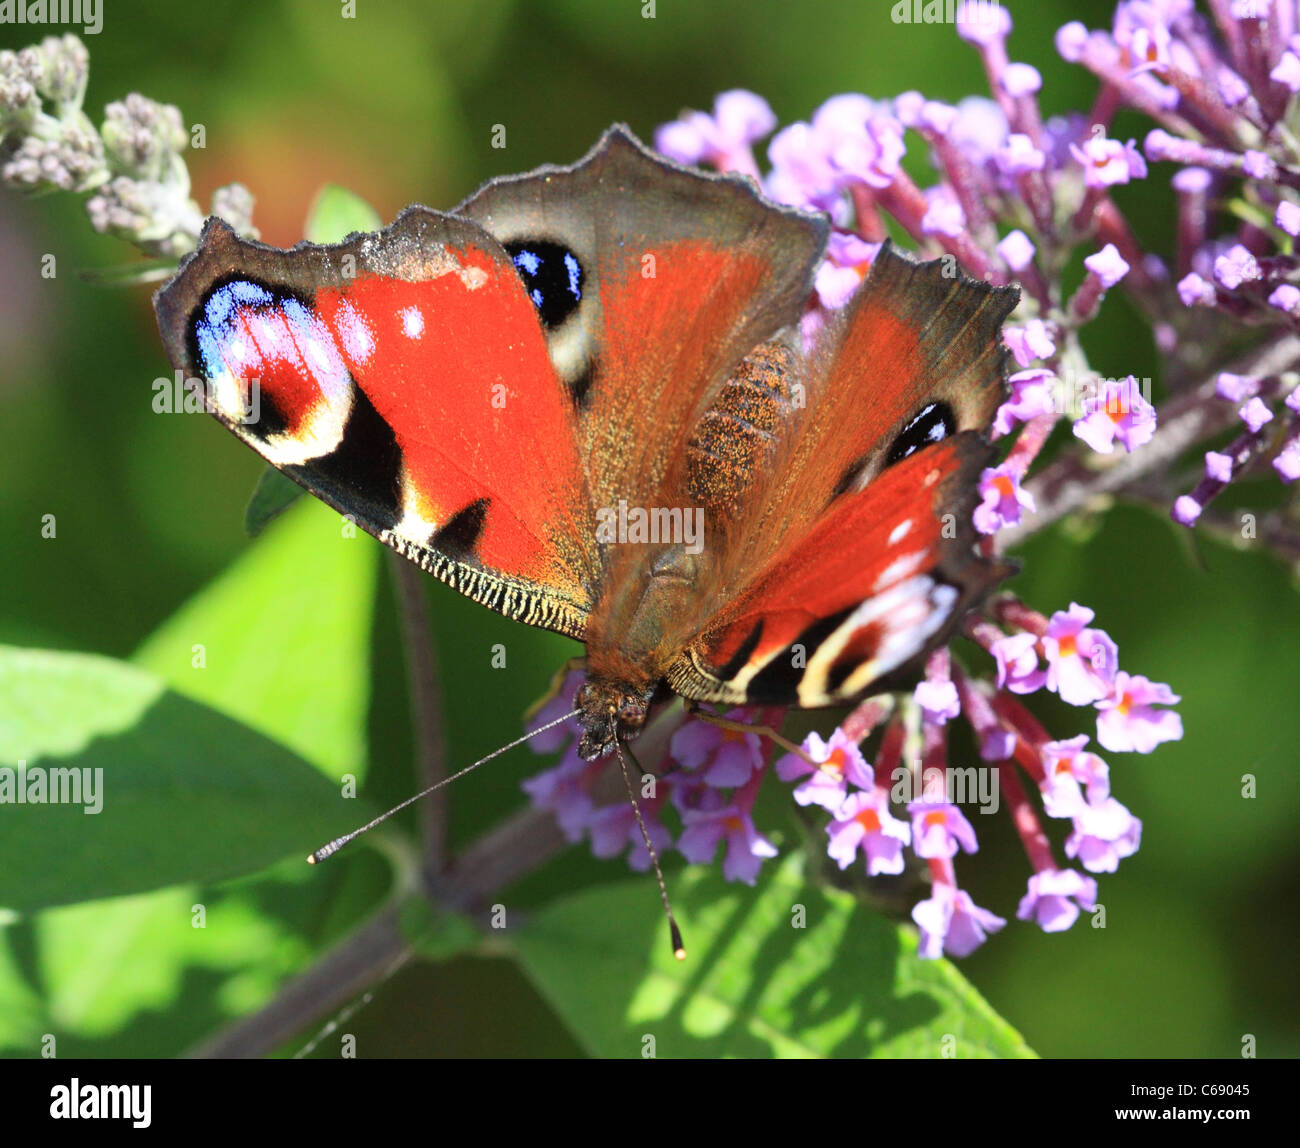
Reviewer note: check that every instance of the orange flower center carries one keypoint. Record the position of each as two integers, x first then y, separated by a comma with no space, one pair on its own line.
1067,646
869,819
834,765
1003,485
938,817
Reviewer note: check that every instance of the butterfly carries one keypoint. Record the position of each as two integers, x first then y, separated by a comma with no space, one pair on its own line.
581,398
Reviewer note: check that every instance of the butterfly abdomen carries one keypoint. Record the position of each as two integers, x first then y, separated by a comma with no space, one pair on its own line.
737,433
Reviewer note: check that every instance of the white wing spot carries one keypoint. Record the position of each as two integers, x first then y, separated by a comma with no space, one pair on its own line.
316,356
899,532
412,322
900,568
358,341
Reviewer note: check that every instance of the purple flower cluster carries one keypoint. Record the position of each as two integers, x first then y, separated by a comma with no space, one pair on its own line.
998,161
880,809
1081,666
1221,86
1017,197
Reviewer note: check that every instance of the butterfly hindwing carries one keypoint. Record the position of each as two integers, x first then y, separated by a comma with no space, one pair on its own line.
875,583
859,554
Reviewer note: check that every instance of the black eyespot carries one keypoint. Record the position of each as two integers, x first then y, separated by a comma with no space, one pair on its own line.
552,276
933,423
459,538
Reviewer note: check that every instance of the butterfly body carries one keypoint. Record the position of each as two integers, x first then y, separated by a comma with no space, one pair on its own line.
581,399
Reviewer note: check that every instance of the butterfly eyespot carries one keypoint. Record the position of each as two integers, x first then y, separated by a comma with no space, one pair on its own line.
933,423
552,275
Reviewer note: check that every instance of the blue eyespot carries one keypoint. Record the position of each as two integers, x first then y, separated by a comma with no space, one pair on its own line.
552,276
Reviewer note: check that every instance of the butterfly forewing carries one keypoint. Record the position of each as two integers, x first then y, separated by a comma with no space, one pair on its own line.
373,386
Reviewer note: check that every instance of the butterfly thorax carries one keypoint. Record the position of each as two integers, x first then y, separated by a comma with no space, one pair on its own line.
635,635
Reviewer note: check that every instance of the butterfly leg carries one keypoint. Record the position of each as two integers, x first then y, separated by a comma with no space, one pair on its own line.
767,731
556,685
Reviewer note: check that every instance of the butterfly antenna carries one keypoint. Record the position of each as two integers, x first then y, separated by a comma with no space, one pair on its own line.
338,842
679,949
347,1012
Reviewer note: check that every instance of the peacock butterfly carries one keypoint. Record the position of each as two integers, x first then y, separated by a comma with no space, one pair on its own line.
581,398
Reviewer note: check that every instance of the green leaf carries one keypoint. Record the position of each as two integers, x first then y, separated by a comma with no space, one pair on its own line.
274,494
337,213
847,984
103,963
281,640
176,791
22,1012
154,973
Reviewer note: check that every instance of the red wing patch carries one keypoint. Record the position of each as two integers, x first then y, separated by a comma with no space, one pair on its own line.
475,414
667,344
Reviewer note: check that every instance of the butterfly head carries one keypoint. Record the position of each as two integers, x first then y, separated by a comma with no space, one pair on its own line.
607,711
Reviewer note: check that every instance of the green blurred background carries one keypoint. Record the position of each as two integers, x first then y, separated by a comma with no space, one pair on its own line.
399,104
